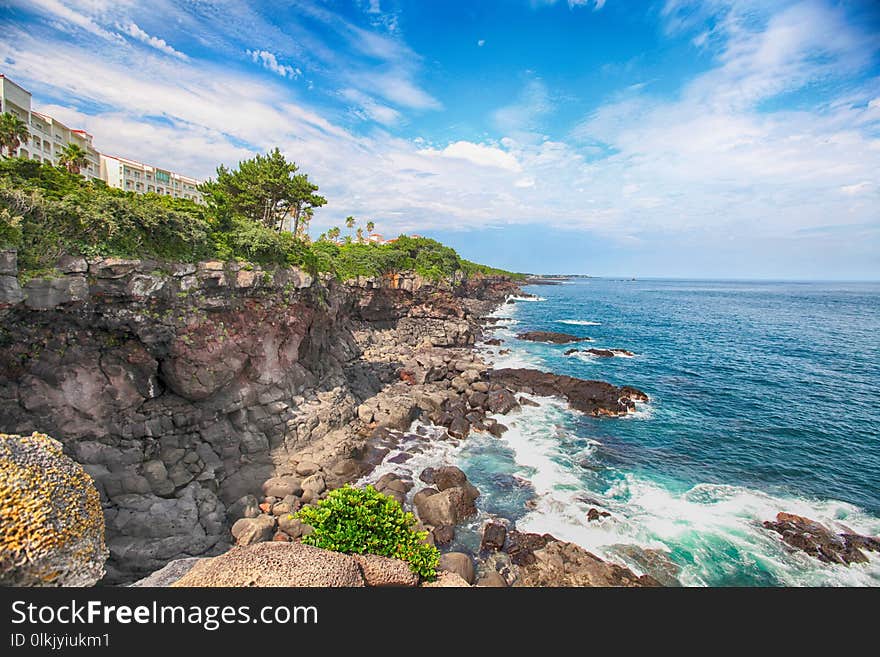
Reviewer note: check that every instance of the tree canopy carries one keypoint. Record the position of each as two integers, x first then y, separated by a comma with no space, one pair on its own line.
267,189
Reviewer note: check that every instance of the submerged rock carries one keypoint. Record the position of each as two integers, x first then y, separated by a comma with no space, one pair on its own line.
52,529
818,541
591,397
550,336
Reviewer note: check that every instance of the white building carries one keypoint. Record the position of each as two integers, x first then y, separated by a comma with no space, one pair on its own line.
48,137
133,176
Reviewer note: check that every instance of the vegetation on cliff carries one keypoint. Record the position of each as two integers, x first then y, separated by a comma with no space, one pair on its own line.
364,521
48,211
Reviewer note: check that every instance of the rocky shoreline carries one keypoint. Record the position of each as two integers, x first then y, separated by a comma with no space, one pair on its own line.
210,401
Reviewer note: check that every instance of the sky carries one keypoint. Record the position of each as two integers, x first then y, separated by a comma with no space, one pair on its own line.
666,138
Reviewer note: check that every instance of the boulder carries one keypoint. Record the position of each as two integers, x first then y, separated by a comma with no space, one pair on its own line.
448,476
282,486
384,571
443,534
52,531
501,401
245,507
494,535
459,563
492,579
307,468
293,527
275,564
448,507
248,531
459,427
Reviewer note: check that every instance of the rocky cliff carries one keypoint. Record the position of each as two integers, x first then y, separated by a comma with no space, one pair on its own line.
181,388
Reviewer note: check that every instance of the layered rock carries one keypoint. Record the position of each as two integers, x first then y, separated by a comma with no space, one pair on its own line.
182,388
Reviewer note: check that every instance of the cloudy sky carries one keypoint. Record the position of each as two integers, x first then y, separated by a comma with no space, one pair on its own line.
669,138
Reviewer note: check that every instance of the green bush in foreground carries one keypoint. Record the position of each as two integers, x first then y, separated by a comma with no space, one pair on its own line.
364,521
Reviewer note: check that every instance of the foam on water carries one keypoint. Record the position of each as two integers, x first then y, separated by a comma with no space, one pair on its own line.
712,532
578,322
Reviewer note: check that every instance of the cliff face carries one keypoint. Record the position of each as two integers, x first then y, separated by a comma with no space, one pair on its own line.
182,388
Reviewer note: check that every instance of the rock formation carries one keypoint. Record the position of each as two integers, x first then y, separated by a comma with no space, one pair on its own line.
550,336
51,523
591,397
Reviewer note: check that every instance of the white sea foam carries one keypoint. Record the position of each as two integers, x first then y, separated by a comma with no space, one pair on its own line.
516,298
578,322
707,521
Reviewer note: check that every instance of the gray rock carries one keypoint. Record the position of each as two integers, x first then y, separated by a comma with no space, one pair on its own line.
494,535
307,468
449,476
47,293
245,507
10,290
492,579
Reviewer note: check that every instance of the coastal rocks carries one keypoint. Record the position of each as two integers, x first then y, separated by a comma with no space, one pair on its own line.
552,337
655,563
275,564
501,401
601,353
594,514
820,542
450,502
494,535
52,531
459,563
384,571
248,531
449,507
596,398
557,563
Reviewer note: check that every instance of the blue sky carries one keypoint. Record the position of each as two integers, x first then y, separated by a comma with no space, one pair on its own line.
667,138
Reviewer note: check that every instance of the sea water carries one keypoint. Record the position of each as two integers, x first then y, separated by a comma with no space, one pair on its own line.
763,398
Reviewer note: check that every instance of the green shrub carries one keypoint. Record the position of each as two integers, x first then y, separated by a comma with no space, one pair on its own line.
364,521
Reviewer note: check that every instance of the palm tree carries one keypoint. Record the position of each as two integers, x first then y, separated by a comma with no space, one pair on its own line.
349,223
73,157
370,227
13,131
333,233
360,235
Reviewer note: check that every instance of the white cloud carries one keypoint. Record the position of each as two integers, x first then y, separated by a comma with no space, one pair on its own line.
481,43
480,154
598,5
368,108
857,188
135,32
270,62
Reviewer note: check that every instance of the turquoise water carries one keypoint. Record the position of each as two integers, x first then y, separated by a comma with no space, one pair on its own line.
763,398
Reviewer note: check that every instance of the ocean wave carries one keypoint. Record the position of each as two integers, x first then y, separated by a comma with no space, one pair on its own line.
517,298
578,322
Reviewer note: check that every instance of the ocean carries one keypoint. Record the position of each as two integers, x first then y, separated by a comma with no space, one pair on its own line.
763,398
